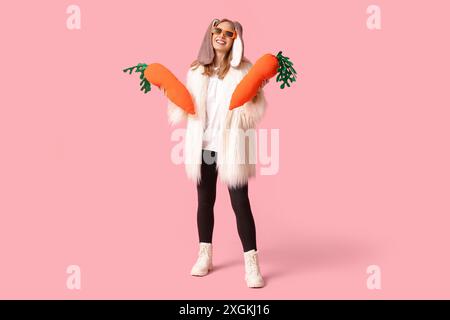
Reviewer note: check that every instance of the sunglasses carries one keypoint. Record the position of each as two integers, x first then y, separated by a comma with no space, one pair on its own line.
228,34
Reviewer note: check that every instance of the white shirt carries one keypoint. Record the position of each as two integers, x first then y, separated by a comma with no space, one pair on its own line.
215,112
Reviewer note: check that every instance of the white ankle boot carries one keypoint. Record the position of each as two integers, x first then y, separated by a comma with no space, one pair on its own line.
253,275
204,261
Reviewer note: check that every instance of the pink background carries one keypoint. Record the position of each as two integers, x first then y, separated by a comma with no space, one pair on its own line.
86,176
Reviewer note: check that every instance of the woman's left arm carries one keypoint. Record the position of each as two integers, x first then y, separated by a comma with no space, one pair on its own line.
260,88
254,110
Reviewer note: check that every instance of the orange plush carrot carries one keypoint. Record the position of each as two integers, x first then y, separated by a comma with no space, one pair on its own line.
264,68
160,76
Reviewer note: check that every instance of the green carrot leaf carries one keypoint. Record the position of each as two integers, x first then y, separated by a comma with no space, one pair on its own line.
286,71
140,68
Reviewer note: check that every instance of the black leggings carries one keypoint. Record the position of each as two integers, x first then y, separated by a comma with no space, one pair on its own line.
206,191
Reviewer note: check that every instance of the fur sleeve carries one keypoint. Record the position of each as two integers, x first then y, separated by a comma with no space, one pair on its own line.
174,113
253,110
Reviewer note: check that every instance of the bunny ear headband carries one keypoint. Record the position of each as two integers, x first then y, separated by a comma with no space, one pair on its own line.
206,52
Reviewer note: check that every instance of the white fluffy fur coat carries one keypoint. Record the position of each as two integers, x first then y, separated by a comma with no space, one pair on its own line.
236,156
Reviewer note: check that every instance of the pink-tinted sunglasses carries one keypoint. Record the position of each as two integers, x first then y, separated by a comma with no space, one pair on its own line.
227,33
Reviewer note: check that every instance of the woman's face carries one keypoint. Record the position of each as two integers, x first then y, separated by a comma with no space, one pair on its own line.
220,41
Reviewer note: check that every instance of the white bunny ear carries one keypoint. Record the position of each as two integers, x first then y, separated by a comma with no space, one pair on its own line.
237,52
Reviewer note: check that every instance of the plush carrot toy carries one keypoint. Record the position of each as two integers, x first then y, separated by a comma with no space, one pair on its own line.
264,68
160,76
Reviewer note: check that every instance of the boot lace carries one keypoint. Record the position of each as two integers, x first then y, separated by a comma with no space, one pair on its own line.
203,252
252,265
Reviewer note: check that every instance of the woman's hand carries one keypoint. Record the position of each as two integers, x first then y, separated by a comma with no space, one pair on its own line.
266,81
262,85
163,90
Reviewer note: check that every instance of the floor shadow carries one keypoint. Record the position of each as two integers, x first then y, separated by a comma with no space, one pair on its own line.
226,264
300,255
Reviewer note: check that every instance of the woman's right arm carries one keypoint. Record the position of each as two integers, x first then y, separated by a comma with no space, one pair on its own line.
176,114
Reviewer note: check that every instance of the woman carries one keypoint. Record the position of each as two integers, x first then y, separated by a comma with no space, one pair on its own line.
220,142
